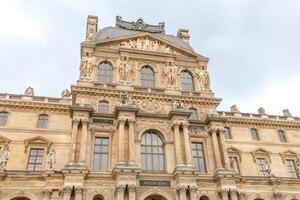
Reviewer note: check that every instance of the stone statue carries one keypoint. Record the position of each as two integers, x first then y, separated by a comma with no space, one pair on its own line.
234,109
87,64
204,78
4,156
52,159
261,111
65,94
286,113
126,100
29,91
177,104
124,69
171,73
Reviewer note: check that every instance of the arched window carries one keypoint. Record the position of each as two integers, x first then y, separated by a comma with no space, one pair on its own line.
152,152
42,121
254,134
3,118
194,115
98,197
186,81
105,73
103,107
147,77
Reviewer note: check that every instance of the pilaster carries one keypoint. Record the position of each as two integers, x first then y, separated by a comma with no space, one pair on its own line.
83,143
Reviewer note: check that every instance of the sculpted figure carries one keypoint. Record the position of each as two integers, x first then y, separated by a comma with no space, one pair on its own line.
4,156
286,113
126,100
261,111
171,73
204,78
234,109
65,94
52,159
124,69
177,104
29,91
87,63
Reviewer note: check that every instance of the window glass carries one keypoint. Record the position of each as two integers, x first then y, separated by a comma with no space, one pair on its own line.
42,121
105,73
198,157
3,118
254,134
152,152
103,107
100,160
227,134
147,77
262,166
35,160
291,168
187,81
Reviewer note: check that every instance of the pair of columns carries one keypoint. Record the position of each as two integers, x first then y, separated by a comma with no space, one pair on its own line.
83,141
187,145
67,191
121,136
226,193
182,190
121,189
221,160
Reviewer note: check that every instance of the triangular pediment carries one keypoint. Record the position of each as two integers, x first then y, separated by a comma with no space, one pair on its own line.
4,140
38,140
149,42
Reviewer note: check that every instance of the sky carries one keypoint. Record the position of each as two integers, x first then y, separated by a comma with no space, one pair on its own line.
253,45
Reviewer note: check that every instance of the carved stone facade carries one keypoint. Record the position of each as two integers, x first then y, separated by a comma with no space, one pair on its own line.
141,123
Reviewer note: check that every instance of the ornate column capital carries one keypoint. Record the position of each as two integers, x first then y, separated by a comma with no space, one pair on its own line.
120,189
131,188
193,189
131,122
79,190
182,189
75,122
213,130
121,121
175,125
67,190
47,193
84,121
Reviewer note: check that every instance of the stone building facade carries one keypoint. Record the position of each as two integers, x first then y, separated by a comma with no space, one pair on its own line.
142,123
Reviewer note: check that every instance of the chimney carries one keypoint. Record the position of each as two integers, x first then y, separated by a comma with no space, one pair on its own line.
91,27
183,34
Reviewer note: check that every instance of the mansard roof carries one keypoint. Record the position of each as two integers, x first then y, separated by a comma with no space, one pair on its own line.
124,28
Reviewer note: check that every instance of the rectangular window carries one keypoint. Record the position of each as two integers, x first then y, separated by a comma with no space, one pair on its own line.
100,161
42,121
234,163
198,157
254,134
291,168
35,160
3,118
281,136
227,134
262,165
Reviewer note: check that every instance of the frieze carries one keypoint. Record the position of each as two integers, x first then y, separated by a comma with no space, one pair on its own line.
151,106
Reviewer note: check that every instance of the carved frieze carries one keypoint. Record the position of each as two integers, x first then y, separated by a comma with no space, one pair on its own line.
150,106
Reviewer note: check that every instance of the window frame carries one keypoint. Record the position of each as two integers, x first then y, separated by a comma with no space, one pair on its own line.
267,166
163,146
229,133
6,120
43,158
104,134
279,132
99,104
101,153
294,167
106,77
38,121
257,134
199,157
143,80
192,86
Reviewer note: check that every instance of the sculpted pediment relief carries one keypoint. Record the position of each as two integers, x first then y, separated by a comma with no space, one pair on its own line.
148,42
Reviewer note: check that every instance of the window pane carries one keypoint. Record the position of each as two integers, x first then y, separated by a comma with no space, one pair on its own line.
291,168
198,157
105,74
35,159
100,161
3,118
227,134
147,77
254,134
186,81
103,107
42,121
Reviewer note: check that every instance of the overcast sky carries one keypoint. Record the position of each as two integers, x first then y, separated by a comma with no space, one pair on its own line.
253,45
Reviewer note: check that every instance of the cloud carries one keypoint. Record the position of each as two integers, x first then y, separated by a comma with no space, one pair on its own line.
17,23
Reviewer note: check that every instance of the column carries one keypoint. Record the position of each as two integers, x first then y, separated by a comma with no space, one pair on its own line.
47,194
193,192
67,193
182,193
216,148
131,143
224,149
120,189
73,141
78,193
83,141
121,158
187,145
177,145
233,194
131,191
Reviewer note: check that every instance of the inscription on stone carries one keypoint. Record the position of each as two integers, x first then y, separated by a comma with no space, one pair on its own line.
155,183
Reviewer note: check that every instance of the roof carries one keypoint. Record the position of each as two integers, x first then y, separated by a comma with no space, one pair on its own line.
115,32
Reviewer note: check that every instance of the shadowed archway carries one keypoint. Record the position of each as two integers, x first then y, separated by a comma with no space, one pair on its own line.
155,197
20,198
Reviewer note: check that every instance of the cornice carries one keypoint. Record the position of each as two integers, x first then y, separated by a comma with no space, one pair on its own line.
30,105
96,91
38,131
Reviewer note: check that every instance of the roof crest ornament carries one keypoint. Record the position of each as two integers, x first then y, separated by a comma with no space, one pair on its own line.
140,25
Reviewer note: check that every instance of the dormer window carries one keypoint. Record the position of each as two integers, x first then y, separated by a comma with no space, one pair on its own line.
147,77
187,83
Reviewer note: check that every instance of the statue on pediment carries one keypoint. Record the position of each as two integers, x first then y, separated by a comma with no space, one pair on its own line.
171,73
87,64
65,94
286,113
29,91
4,157
124,68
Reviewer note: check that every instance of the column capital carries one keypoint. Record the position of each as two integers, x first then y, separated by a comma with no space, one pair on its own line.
131,122
185,125
175,125
131,188
182,189
67,190
121,121
193,189
120,189
84,121
75,122
213,129
79,190
47,193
